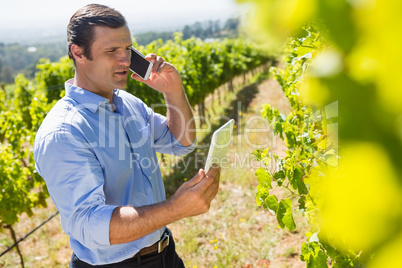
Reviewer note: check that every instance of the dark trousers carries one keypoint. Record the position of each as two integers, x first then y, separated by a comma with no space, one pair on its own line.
168,258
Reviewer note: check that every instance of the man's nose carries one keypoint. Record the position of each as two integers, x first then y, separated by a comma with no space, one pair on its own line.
124,57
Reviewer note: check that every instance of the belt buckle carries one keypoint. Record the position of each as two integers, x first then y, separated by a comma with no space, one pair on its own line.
160,243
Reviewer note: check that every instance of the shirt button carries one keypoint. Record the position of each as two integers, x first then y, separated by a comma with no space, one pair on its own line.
149,177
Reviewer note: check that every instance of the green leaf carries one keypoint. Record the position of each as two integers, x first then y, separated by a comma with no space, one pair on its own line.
266,112
276,157
318,262
279,175
262,194
302,203
302,33
264,153
300,51
278,128
331,158
290,139
263,177
313,255
297,180
257,154
284,214
344,261
272,203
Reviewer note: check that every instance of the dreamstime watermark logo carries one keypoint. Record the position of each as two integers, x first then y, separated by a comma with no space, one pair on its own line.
198,160
133,131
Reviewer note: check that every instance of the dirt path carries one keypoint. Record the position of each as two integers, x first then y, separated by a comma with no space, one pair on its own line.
235,232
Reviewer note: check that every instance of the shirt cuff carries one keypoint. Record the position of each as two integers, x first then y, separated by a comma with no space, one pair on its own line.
179,149
99,225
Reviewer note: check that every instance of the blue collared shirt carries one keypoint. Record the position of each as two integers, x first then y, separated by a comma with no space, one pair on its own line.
94,159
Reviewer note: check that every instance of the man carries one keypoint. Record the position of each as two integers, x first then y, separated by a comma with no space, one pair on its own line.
96,152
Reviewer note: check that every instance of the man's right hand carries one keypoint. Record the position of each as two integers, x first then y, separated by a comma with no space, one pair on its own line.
194,197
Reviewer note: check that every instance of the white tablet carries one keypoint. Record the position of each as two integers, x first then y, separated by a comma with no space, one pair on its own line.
219,145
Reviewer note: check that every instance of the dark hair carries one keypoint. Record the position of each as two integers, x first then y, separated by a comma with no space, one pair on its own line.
80,30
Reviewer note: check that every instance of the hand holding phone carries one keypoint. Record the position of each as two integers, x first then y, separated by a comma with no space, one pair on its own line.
140,65
165,78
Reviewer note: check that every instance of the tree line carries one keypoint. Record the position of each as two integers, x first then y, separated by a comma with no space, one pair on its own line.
20,58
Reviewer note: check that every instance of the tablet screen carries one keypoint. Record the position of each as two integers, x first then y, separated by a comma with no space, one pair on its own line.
219,145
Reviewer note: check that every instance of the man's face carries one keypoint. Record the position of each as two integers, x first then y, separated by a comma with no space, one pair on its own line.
108,68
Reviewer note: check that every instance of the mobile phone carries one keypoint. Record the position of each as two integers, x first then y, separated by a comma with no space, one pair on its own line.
139,64
219,145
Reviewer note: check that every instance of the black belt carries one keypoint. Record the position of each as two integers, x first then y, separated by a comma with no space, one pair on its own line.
158,246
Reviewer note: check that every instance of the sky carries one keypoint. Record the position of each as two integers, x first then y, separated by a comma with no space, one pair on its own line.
27,19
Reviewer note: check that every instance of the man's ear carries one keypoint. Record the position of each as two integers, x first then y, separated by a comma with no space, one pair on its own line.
77,52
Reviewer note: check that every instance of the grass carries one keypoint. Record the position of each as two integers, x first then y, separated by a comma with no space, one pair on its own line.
234,233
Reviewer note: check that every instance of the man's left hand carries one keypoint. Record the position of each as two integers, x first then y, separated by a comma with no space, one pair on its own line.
164,76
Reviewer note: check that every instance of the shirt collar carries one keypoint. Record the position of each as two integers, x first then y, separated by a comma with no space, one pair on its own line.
86,98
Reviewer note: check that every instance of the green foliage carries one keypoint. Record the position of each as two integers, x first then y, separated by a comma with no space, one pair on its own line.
313,255
22,98
304,130
353,79
22,189
284,214
52,75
